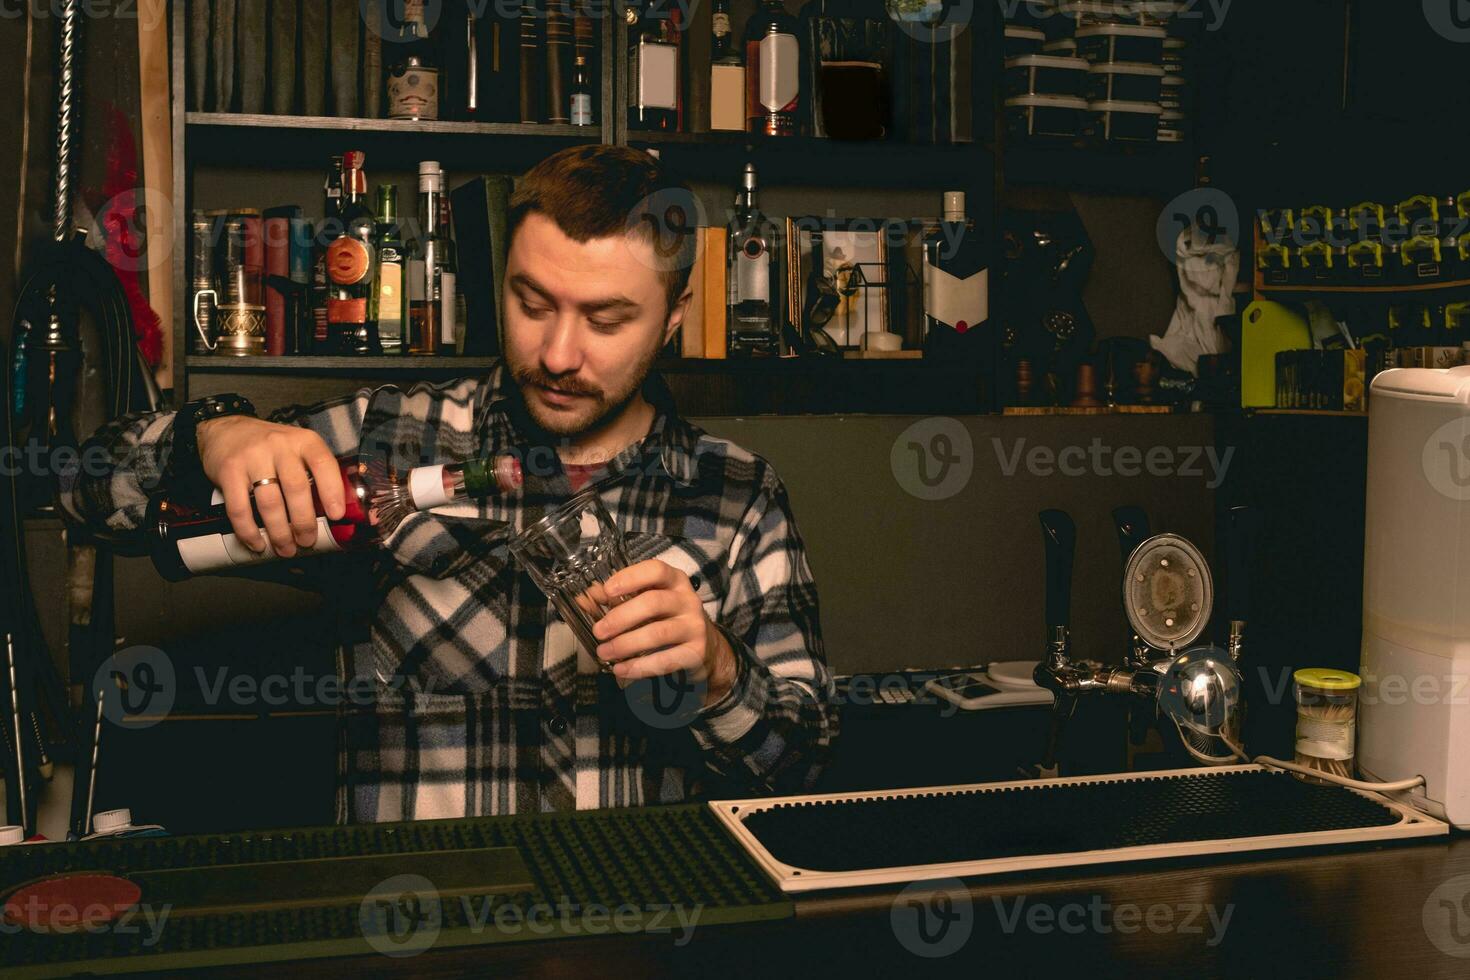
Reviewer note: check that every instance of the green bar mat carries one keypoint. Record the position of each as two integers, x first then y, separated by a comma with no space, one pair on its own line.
654,869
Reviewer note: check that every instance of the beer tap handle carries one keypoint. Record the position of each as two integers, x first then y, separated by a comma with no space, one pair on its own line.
1239,545
1133,528
1059,535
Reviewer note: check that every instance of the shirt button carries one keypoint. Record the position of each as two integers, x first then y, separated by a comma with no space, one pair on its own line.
558,725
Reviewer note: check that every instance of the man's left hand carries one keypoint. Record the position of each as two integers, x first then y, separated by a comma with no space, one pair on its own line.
662,629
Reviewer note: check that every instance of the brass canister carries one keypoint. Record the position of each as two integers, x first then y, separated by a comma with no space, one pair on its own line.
239,312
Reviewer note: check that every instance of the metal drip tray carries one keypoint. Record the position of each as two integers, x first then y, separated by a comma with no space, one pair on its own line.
846,840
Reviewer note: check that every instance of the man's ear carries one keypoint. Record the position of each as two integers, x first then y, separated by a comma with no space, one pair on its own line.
677,314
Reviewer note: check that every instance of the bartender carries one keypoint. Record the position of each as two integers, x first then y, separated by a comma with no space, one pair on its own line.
482,702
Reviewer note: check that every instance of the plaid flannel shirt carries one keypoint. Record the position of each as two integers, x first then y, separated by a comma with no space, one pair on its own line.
483,702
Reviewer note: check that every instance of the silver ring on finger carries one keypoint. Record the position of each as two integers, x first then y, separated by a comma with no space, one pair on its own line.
268,481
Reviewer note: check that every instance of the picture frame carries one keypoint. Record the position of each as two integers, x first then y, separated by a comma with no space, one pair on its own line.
838,282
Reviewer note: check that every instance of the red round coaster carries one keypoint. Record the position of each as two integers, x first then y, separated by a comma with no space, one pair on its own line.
68,903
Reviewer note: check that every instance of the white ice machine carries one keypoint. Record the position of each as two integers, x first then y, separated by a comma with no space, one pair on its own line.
1414,714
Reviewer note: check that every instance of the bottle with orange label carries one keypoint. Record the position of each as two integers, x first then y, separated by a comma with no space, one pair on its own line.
350,266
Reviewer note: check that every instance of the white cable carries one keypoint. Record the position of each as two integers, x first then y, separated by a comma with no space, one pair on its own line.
1395,787
1400,786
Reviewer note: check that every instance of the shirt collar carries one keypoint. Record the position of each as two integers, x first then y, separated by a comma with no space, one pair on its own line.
674,440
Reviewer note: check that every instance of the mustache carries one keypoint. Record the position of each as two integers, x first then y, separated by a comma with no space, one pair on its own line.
568,383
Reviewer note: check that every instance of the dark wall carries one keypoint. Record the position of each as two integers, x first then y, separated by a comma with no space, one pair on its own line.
906,581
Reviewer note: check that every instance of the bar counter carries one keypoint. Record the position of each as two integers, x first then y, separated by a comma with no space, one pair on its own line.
1385,910
1341,913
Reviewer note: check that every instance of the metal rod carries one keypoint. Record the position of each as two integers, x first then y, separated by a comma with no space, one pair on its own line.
43,759
92,774
20,762
66,82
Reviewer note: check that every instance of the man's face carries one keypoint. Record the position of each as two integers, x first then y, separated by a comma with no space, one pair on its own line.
583,323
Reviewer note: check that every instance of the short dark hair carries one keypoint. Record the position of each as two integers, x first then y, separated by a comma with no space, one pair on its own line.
598,191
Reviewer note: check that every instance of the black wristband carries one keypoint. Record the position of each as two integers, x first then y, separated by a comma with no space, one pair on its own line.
183,458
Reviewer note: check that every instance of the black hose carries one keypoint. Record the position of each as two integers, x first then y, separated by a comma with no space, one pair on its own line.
72,281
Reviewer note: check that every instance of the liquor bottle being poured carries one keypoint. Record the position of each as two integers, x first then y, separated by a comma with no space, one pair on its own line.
188,539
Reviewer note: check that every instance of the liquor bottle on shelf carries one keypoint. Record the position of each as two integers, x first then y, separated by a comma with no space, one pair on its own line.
558,50
424,295
450,322
195,537
581,108
413,77
653,71
471,94
720,39
350,266
772,71
753,311
326,232
456,45
727,74
956,281
389,308
845,81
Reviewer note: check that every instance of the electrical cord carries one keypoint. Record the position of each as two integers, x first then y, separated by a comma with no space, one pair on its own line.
1397,786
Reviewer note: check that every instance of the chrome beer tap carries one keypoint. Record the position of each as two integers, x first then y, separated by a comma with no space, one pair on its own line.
1240,543
1168,594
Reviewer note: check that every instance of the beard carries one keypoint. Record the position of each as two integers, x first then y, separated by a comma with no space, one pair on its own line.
592,410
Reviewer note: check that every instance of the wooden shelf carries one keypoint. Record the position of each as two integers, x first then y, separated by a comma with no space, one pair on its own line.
393,126
230,139
1315,412
317,364
1054,410
1386,290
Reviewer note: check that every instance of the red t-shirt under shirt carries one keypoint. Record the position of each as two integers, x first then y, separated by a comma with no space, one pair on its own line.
582,474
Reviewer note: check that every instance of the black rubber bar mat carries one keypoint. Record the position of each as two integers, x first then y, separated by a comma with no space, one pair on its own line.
652,869
1023,820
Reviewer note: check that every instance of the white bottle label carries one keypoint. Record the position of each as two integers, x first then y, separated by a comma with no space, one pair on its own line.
414,94
390,302
779,80
582,110
753,276
415,280
658,82
953,301
426,486
448,326
213,552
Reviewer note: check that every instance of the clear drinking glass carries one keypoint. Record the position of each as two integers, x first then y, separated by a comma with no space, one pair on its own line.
570,553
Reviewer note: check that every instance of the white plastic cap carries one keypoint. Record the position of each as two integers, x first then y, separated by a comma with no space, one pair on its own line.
111,821
954,205
428,166
12,835
428,175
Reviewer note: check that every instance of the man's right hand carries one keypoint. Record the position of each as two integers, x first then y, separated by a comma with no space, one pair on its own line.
237,451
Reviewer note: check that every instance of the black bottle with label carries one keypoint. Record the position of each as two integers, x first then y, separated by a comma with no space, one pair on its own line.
956,287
